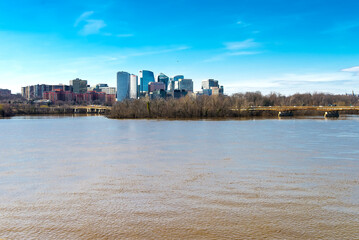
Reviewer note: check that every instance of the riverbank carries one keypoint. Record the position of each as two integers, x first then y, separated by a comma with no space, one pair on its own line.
9,110
155,112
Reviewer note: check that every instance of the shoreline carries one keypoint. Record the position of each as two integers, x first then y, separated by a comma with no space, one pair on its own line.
181,114
243,118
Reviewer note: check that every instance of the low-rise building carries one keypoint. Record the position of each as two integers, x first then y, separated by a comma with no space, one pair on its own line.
154,86
161,93
110,99
5,92
108,90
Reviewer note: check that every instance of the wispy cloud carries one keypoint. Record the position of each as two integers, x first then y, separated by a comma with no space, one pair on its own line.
157,50
92,27
241,53
89,26
242,24
249,43
354,70
83,17
241,48
291,83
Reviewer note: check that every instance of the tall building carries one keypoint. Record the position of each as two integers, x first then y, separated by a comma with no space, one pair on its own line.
207,84
211,87
78,85
145,78
123,85
173,83
178,77
162,78
133,86
185,85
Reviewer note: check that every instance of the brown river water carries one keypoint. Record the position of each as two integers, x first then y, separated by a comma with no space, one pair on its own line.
96,178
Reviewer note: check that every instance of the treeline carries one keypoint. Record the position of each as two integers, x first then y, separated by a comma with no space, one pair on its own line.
223,106
5,110
13,109
11,98
306,99
186,107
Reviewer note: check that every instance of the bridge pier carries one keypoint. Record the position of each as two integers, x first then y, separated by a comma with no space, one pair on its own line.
285,114
90,110
331,114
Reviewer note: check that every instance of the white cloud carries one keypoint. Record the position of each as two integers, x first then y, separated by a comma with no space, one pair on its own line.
92,27
236,49
159,50
291,83
249,43
241,53
83,17
242,24
352,69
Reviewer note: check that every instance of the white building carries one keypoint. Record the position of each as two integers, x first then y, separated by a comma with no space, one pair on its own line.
133,86
108,90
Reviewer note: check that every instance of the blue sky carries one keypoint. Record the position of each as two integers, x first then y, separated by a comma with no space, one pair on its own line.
248,45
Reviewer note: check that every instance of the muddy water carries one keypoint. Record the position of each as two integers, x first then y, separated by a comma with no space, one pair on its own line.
95,178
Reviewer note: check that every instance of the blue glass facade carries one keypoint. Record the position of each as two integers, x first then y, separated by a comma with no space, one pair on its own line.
178,77
123,85
145,78
163,78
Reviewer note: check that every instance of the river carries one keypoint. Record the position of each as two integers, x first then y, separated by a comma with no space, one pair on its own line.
96,178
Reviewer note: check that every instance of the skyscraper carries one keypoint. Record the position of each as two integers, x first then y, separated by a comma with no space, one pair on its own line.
145,78
133,86
123,85
173,83
185,85
178,77
207,84
162,78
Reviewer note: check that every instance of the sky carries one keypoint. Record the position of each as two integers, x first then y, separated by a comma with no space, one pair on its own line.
248,45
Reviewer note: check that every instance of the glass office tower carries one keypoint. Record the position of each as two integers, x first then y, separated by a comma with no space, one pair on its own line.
145,78
162,78
123,85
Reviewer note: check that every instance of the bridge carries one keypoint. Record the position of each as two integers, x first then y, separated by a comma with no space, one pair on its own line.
283,111
91,109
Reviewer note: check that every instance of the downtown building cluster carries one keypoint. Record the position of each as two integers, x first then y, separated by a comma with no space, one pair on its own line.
76,92
131,86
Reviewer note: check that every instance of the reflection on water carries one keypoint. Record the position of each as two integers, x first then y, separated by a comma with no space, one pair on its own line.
91,177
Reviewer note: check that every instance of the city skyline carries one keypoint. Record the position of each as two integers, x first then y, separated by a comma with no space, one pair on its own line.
306,46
